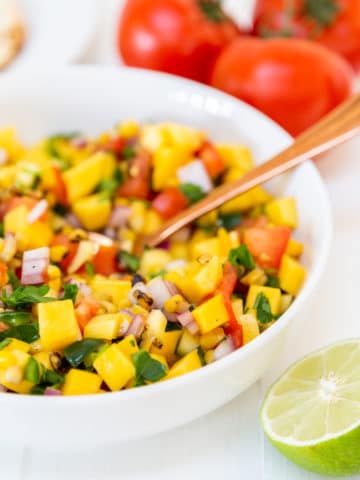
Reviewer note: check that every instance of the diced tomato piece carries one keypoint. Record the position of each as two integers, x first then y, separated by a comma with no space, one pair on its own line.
229,280
115,145
267,244
234,328
170,202
28,202
260,221
211,159
138,183
59,188
3,274
104,261
3,327
86,310
72,247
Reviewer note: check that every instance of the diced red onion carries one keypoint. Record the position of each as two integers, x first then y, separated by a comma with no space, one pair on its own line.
52,391
110,232
4,156
192,327
165,245
159,291
185,318
175,264
72,220
119,216
181,235
9,249
100,239
171,317
79,142
137,326
37,211
172,287
195,173
34,266
224,348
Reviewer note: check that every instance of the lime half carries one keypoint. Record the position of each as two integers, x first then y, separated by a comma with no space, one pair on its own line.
312,413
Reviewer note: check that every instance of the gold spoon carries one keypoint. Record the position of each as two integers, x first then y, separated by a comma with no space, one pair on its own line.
338,126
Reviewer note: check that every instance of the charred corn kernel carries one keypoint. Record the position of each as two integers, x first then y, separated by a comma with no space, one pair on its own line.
57,253
179,250
154,260
13,375
211,314
114,367
294,248
238,308
250,327
105,326
210,246
252,198
137,217
57,325
116,291
207,219
207,279
212,339
128,129
77,234
209,356
16,219
272,294
93,211
254,277
54,276
236,156
16,344
82,179
186,364
44,359
175,304
286,301
291,275
168,344
128,346
152,222
282,211
79,382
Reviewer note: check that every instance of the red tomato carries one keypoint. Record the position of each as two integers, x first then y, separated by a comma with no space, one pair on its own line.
267,244
138,183
170,202
183,37
87,308
3,274
334,23
72,247
59,188
104,261
28,202
211,159
295,82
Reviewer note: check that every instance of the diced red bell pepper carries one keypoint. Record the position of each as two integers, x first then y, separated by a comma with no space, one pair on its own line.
170,202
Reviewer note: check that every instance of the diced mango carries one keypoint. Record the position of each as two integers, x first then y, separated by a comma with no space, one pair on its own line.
154,260
227,241
80,382
272,294
250,327
238,308
294,248
187,364
128,346
10,143
169,341
166,161
256,276
114,367
207,219
7,359
137,216
38,234
16,344
104,326
128,129
57,325
93,211
182,135
179,250
236,156
282,211
117,291
156,323
212,339
211,314
81,179
7,176
207,278
291,275
252,198
22,387
210,246
44,359
152,222
16,219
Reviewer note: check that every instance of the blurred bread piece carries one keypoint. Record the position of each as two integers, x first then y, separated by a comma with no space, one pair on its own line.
12,31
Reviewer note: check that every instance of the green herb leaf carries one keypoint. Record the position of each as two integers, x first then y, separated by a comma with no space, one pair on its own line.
263,309
2,233
38,389
13,280
52,378
230,220
13,319
272,281
32,371
128,152
201,355
52,142
89,269
91,357
193,192
26,296
130,261
160,273
5,343
76,352
26,333
323,12
171,326
147,368
70,292
212,10
241,257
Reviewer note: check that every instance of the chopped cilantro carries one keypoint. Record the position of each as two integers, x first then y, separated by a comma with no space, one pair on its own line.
272,281
70,292
27,333
128,260
128,152
241,257
76,353
2,233
89,269
263,309
26,296
230,220
193,192
14,319
147,368
201,355
13,279
160,273
171,326
4,343
32,372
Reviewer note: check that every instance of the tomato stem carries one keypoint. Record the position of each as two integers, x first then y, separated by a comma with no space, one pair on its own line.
323,12
213,11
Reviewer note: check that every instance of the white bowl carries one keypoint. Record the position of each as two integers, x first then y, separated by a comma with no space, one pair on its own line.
93,99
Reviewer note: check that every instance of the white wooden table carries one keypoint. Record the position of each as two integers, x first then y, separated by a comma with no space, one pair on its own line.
227,443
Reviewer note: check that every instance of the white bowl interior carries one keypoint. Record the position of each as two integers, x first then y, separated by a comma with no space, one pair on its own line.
92,100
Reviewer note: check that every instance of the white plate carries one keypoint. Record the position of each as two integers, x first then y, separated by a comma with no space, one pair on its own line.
58,31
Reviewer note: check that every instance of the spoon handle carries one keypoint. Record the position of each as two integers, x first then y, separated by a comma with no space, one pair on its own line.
338,126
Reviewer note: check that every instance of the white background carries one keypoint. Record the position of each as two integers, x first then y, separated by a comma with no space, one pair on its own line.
227,443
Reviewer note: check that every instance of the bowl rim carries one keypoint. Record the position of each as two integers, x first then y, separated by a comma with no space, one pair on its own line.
65,402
